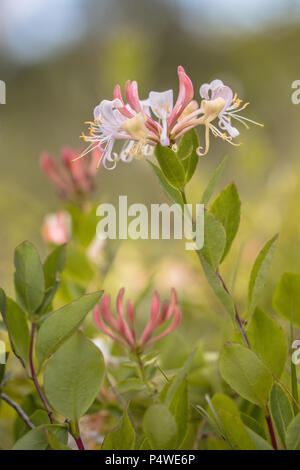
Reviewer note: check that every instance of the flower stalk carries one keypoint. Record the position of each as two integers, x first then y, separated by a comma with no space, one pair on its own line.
34,377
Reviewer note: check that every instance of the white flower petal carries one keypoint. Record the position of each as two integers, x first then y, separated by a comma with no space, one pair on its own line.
161,103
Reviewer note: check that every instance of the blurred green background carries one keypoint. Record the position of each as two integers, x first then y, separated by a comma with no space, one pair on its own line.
59,58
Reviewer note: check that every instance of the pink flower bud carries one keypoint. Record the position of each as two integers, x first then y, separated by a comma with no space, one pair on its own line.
125,333
56,228
73,176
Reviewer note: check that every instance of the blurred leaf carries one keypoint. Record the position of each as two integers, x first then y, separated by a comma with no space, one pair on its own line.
226,209
73,376
18,331
212,182
259,442
245,373
259,273
214,240
2,303
175,384
62,323
129,385
121,438
170,191
281,410
268,341
29,277
231,424
180,410
84,224
293,434
171,166
160,427
251,423
187,152
286,300
214,443
36,439
78,267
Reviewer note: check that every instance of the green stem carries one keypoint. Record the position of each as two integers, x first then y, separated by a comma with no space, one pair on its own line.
141,370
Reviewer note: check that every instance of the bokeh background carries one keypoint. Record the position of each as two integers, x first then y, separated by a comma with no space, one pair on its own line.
59,58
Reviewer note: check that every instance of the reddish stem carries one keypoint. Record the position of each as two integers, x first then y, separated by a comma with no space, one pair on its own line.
33,375
79,443
271,430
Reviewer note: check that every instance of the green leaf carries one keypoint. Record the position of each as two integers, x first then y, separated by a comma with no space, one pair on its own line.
254,425
286,300
268,341
259,274
78,267
170,191
218,288
160,427
29,277
228,418
246,373
259,442
121,438
226,209
73,377
84,224
38,418
36,439
187,152
214,240
171,166
173,385
180,410
18,331
62,323
53,265
212,182
132,384
293,434
281,410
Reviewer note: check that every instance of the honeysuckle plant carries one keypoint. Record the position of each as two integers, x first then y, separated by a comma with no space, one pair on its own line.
108,368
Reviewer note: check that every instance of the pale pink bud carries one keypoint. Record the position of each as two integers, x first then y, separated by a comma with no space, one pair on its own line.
56,228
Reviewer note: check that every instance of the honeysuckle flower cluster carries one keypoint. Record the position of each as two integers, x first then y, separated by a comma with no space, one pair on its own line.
56,228
71,177
123,330
142,124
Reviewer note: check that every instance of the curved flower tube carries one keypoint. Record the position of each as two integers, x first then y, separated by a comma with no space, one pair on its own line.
123,329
